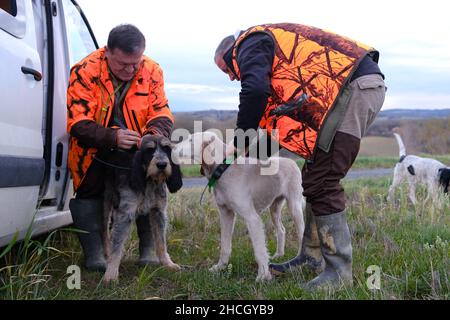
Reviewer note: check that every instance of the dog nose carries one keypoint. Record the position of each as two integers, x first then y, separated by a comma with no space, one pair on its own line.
161,165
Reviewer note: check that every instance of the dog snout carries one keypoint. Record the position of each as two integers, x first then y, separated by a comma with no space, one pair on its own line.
161,165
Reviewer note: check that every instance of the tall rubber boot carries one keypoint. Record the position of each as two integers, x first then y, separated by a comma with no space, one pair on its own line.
336,246
147,251
310,255
87,215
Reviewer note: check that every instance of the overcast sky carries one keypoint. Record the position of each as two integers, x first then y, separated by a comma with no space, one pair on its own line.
413,38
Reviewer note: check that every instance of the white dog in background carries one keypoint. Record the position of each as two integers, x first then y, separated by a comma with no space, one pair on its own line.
242,189
415,170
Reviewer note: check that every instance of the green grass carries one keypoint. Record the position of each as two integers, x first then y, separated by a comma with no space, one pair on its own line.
190,171
366,162
363,162
410,244
25,266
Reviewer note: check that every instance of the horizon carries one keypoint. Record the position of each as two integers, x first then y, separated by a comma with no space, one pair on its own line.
383,110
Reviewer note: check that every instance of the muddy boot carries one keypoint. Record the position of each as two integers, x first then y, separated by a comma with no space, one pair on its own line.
147,252
87,215
336,246
310,255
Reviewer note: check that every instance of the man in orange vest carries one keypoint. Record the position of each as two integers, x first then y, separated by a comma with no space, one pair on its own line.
343,90
115,96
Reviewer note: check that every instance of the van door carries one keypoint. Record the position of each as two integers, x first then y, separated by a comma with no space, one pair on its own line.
72,41
36,35
21,106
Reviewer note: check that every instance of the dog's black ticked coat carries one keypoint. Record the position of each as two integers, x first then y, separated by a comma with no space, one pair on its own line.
444,178
414,170
140,191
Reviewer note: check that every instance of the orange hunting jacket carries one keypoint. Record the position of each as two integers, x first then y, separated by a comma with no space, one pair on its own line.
90,96
306,60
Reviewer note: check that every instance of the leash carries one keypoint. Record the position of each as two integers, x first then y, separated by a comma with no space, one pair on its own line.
218,172
110,164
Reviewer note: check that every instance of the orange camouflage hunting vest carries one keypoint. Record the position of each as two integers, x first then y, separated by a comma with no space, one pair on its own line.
90,96
306,60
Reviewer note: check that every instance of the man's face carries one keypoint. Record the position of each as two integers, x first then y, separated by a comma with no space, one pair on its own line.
123,65
220,62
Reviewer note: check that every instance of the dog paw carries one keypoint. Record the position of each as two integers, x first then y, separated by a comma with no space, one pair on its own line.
148,262
173,266
277,255
110,277
267,276
217,267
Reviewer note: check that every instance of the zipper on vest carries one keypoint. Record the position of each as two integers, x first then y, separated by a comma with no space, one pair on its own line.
105,108
136,121
132,120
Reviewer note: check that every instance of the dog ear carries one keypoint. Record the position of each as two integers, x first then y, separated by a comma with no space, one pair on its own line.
203,166
165,142
206,157
137,178
175,180
202,172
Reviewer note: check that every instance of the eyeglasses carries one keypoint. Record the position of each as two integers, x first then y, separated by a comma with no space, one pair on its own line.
120,64
123,66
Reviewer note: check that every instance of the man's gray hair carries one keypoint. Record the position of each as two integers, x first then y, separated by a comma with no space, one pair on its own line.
224,45
127,38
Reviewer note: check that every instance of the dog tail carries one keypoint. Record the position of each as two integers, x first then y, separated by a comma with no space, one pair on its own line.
401,147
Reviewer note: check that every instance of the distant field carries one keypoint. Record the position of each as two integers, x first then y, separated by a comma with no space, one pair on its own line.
378,147
375,152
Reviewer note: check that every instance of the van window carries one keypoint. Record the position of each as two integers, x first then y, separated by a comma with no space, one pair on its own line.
9,6
13,18
79,39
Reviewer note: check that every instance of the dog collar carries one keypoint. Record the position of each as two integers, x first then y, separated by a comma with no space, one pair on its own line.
218,172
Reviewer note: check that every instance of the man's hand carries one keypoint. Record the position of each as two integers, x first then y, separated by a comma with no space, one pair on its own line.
126,139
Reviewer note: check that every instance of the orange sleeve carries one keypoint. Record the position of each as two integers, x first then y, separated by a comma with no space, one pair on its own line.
81,102
159,106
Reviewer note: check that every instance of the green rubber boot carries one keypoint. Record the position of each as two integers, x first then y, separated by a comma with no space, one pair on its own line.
87,215
147,252
336,246
310,254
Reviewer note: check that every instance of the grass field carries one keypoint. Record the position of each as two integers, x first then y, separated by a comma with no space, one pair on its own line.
378,147
375,152
361,162
410,245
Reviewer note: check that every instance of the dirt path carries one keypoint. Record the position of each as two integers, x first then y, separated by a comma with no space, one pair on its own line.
352,175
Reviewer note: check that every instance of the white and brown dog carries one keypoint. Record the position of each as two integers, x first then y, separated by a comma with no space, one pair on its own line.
242,189
414,170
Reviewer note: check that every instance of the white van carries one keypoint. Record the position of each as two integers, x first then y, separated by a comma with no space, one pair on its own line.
39,41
